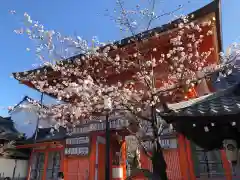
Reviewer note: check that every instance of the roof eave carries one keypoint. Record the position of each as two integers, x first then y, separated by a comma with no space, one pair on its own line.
213,7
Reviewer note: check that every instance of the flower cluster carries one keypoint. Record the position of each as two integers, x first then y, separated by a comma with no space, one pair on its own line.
143,71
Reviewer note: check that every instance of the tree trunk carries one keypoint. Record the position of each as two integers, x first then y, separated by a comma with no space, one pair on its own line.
159,164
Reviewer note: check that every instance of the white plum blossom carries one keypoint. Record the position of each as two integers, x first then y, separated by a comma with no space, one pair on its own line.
88,78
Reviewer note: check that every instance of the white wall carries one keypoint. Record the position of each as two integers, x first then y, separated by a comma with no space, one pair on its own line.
25,119
7,167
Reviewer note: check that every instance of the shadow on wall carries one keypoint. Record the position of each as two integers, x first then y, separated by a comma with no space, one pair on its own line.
17,177
13,168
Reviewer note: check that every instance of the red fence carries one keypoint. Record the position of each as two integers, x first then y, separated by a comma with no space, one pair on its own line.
173,164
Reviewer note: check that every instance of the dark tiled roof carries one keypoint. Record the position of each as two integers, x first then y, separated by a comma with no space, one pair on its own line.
210,120
220,103
9,133
228,81
7,129
13,152
45,134
225,101
29,100
231,79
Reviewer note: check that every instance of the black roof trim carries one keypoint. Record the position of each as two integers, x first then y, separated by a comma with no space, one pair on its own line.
30,100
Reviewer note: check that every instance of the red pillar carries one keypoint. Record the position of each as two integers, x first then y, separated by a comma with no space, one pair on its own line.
182,157
65,167
185,158
30,164
189,158
45,165
124,158
226,166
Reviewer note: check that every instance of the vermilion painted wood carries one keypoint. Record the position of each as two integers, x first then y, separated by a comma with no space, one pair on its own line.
190,160
77,168
193,94
226,166
46,150
62,161
37,144
101,161
45,165
179,161
124,158
182,157
30,164
172,158
173,165
93,157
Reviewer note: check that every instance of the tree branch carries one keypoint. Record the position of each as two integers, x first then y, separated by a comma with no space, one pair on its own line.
141,144
181,85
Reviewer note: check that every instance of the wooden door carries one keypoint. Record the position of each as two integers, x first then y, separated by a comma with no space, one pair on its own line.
100,158
77,168
101,161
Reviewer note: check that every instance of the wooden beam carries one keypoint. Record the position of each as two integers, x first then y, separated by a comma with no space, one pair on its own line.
30,165
45,166
37,145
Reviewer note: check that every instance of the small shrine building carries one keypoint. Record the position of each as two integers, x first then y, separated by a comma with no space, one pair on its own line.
212,123
13,161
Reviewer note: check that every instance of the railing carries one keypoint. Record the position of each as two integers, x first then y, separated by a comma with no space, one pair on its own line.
17,177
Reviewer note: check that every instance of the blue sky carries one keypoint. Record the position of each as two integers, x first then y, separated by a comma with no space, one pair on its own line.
85,18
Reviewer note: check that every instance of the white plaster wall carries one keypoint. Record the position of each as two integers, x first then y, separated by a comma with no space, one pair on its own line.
25,119
7,168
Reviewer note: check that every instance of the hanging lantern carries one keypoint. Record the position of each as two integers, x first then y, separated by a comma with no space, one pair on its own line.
117,172
233,123
230,146
107,103
206,129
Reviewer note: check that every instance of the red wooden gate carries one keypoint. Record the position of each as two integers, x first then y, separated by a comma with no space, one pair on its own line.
77,169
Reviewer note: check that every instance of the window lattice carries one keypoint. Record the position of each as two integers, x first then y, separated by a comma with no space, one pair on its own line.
53,167
37,166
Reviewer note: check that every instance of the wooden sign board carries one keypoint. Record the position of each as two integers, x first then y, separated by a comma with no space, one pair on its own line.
79,146
132,143
78,140
115,124
79,151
